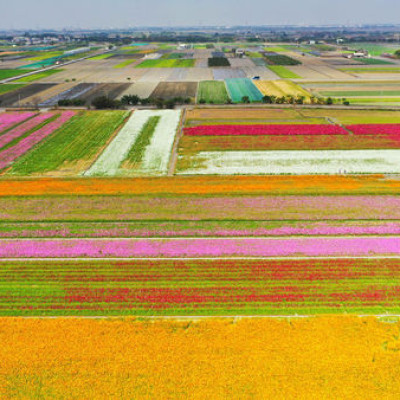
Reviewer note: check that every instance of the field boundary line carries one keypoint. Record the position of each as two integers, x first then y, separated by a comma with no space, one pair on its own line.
204,317
174,153
106,259
110,139
204,238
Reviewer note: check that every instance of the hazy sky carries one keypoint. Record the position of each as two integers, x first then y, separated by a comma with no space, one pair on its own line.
124,13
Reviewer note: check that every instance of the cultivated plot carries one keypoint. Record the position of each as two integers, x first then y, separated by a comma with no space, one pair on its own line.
155,146
169,90
240,88
228,73
73,148
291,162
212,92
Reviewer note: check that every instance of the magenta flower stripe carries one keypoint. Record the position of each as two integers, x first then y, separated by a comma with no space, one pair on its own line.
8,156
258,130
184,248
375,129
23,128
7,120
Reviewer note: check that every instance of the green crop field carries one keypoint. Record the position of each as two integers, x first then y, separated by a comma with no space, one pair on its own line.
364,93
101,56
45,55
39,75
212,92
376,100
5,88
254,54
283,72
241,87
173,56
277,49
374,61
78,140
124,64
11,73
280,59
371,70
259,62
373,48
167,64
136,153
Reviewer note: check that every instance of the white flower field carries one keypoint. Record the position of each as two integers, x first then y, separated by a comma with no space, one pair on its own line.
293,162
157,153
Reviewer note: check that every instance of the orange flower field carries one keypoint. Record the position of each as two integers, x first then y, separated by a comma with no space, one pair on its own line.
313,358
283,184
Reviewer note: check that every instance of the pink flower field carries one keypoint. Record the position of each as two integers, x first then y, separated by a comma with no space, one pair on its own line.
259,130
201,247
7,120
375,129
23,128
8,156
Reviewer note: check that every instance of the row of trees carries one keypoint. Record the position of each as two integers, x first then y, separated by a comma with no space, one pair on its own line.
104,102
290,100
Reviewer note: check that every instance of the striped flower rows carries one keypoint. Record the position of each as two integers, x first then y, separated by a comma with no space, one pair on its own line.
7,120
23,128
201,247
8,156
256,130
202,287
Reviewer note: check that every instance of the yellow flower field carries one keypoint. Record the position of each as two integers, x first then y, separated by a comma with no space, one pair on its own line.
281,88
313,358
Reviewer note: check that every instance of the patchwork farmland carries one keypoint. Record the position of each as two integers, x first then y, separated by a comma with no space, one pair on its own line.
215,210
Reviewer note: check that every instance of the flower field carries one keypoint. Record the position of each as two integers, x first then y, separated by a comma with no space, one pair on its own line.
10,154
12,135
255,130
200,287
313,358
7,120
193,228
73,147
200,248
206,185
194,144
281,88
92,226
301,162
115,160
201,205
279,148
392,130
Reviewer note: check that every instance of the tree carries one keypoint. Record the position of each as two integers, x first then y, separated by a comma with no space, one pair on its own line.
104,102
170,104
130,100
246,99
267,99
159,103
329,101
145,102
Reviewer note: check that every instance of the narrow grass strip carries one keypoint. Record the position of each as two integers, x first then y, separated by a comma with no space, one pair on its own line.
137,151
